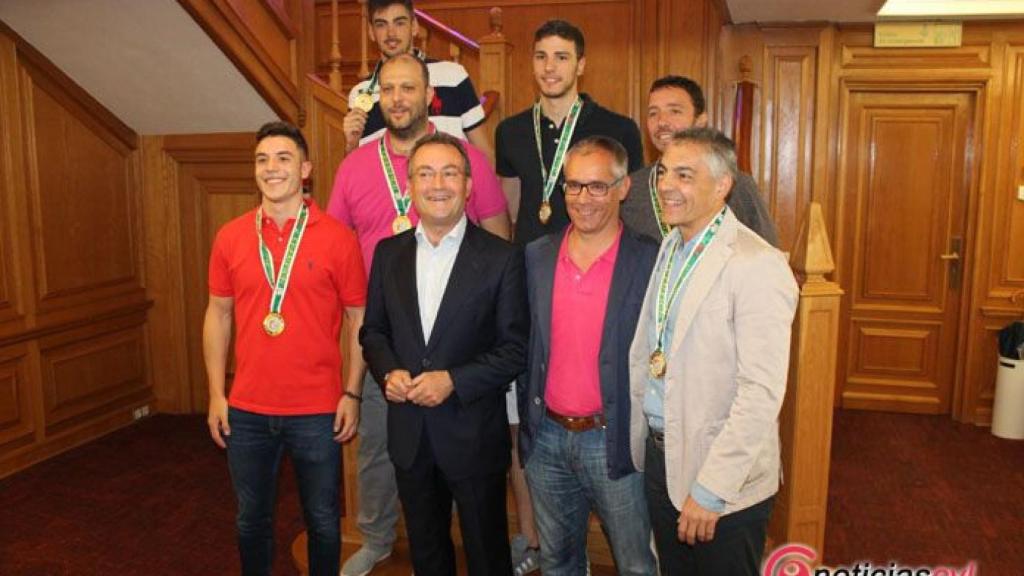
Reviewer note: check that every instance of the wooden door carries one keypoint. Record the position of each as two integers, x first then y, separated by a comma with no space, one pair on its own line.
903,184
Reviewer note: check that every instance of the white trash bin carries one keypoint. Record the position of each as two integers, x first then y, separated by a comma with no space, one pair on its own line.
1008,407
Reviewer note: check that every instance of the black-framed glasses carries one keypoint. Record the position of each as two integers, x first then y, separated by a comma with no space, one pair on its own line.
596,189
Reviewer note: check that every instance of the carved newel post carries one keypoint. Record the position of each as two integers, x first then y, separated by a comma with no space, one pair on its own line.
805,423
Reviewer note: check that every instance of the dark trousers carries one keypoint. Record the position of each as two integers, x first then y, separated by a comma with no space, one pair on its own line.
736,548
255,447
427,493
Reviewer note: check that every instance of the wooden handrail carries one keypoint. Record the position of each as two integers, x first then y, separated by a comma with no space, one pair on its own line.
452,34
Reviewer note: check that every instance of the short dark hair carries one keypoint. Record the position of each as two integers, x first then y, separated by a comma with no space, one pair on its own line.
424,70
374,6
683,83
719,150
443,139
278,128
563,30
620,165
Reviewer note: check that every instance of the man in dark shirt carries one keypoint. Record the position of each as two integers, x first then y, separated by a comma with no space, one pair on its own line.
531,145
674,104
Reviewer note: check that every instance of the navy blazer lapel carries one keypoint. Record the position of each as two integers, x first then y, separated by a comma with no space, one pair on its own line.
464,277
405,278
622,279
547,262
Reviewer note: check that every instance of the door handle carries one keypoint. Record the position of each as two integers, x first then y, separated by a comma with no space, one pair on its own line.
953,257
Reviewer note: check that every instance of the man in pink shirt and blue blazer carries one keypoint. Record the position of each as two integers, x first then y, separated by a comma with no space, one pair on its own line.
586,287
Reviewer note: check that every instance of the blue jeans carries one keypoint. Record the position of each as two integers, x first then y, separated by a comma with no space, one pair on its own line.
255,447
568,477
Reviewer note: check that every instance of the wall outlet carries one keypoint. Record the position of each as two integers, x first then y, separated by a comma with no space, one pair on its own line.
140,412
1020,193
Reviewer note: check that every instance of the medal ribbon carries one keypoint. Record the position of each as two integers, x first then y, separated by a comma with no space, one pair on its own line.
280,286
667,297
400,201
568,127
653,185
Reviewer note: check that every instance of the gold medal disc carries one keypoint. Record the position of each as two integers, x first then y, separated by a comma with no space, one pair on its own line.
400,224
658,365
363,102
273,324
545,212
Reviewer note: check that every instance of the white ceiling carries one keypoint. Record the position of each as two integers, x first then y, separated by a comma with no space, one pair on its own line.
744,11
147,61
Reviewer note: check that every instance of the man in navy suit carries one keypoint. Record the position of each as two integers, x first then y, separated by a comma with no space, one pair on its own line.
445,331
586,286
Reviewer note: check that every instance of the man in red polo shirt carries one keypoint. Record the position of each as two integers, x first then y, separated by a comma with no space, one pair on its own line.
285,273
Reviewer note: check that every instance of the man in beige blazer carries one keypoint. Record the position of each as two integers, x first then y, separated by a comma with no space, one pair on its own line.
708,369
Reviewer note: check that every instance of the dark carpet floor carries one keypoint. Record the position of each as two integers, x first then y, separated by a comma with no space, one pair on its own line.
155,499
924,490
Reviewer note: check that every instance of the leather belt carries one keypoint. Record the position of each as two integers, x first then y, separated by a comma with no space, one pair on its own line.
577,423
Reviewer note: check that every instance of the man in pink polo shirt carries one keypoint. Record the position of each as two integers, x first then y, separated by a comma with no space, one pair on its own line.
370,197
586,287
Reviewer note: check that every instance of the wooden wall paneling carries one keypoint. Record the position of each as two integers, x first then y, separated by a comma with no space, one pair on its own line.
716,16
1006,273
787,120
165,277
94,369
326,137
13,232
735,43
825,145
17,420
979,388
998,276
82,181
214,177
71,264
262,39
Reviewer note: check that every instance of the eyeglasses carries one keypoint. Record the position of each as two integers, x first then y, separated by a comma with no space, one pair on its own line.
596,189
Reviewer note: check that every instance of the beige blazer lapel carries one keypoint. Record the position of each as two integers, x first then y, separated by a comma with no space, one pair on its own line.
703,278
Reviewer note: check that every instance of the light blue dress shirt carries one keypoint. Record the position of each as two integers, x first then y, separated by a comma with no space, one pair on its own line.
654,397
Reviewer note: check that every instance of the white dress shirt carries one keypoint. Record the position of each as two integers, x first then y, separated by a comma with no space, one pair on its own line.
433,267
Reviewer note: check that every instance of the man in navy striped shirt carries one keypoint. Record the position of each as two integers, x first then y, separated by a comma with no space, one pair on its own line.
455,109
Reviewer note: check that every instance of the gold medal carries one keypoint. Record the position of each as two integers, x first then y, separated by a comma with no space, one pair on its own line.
545,212
273,324
658,365
400,224
363,101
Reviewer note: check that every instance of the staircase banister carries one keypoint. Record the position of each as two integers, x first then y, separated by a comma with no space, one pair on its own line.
452,34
